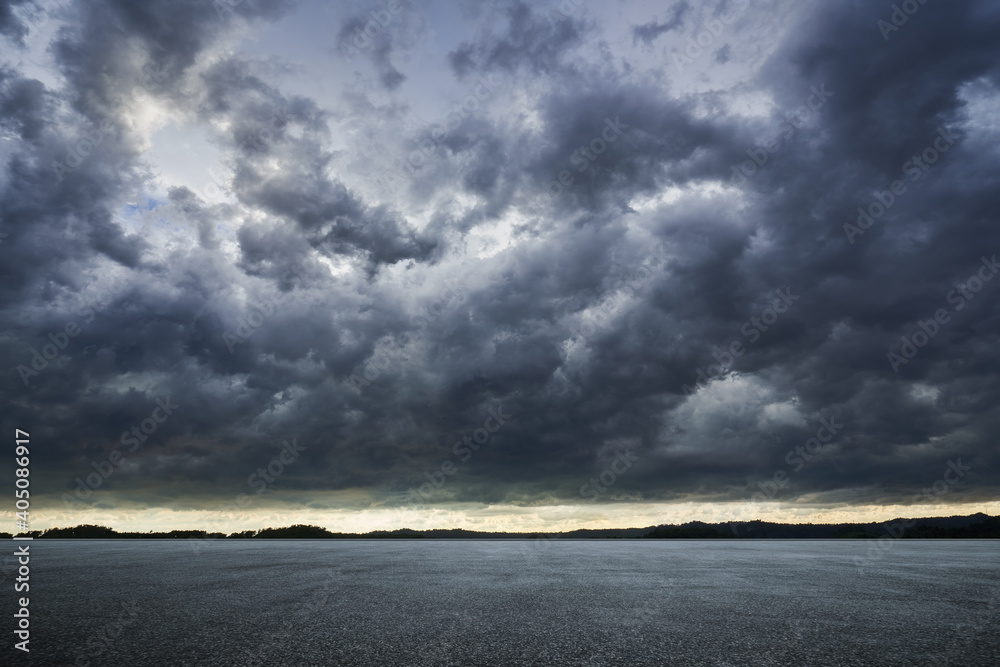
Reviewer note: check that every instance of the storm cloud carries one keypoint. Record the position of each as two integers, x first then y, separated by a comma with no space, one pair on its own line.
568,214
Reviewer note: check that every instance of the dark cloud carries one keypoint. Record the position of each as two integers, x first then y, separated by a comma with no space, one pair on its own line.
530,39
12,26
648,32
581,249
722,56
379,33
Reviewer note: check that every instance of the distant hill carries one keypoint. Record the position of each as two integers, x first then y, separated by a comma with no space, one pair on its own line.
974,526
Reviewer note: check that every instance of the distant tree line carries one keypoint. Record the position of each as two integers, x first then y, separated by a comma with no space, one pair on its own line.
976,526
297,532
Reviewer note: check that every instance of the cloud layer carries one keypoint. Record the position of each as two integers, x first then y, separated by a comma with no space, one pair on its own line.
641,230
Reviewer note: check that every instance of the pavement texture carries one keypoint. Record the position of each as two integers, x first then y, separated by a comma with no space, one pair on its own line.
547,602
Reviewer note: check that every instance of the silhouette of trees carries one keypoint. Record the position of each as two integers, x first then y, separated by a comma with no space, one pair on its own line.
975,526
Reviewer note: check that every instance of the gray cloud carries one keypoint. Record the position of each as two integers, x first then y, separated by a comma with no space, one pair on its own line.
532,262
648,32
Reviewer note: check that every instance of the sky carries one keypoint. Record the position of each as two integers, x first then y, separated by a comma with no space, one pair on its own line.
499,266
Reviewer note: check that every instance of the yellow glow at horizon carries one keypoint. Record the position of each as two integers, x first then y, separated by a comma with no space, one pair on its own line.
480,517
